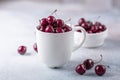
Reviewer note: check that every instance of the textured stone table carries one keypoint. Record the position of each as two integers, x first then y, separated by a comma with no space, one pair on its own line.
17,23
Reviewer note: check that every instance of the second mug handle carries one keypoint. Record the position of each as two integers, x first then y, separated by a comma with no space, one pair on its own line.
76,46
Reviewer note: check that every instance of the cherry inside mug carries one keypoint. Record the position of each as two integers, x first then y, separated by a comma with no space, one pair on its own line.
56,48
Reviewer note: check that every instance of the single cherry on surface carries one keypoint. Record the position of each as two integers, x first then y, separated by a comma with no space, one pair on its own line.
22,49
80,69
89,63
35,47
100,70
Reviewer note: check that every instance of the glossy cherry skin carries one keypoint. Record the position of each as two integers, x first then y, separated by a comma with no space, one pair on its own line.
100,70
59,30
51,19
80,69
49,29
60,23
35,47
94,29
81,21
42,28
22,50
43,22
67,28
102,28
89,63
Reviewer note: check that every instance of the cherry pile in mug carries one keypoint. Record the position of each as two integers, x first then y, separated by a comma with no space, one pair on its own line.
100,69
91,27
53,25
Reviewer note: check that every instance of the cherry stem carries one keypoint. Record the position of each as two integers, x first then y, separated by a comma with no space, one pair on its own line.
54,11
98,18
68,20
101,57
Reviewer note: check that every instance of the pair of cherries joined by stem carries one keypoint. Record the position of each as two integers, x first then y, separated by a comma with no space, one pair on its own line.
88,64
23,49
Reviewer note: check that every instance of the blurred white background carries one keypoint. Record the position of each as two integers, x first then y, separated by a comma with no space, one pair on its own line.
18,19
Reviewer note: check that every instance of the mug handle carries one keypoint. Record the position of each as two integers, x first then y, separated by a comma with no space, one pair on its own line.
77,46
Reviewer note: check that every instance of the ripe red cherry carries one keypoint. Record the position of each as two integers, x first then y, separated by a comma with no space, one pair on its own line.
35,47
59,30
43,22
51,19
102,28
42,28
22,50
67,28
80,69
54,24
89,63
100,70
60,23
49,29
94,29
81,21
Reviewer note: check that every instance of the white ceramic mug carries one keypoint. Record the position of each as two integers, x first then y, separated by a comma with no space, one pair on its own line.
56,48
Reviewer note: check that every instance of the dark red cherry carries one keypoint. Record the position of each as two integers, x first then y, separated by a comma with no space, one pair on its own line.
81,21
51,19
94,29
22,50
100,70
44,22
35,47
67,28
102,28
54,24
60,23
89,63
59,30
42,28
80,69
49,29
